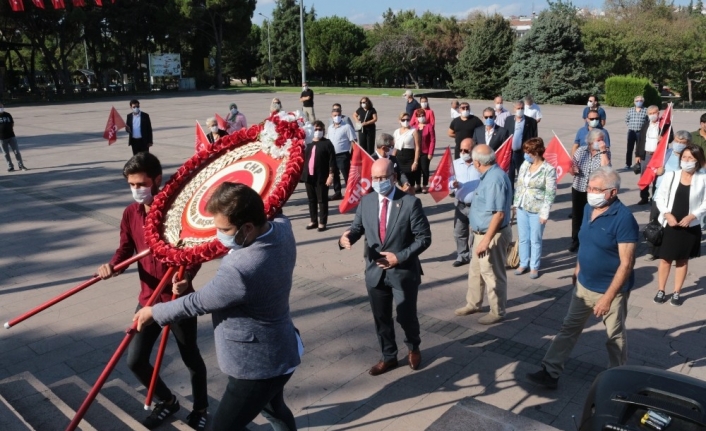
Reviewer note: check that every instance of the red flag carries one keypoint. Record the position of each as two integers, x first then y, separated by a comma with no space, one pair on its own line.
17,5
115,123
666,117
39,3
557,156
503,156
58,4
439,182
359,179
79,3
201,139
656,162
222,124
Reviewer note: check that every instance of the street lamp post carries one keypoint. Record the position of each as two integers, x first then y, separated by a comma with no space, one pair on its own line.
269,49
301,26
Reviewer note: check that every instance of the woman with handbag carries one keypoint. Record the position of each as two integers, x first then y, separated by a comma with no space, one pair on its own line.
535,190
681,201
366,116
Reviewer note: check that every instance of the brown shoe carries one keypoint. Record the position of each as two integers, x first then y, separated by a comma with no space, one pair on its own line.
382,367
414,358
466,310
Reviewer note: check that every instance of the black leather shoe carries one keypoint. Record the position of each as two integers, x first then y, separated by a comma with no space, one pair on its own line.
574,247
458,263
643,201
336,197
542,378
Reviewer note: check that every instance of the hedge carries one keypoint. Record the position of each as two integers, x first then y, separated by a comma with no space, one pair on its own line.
621,91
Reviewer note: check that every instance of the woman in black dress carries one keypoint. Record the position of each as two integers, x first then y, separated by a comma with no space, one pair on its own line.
681,202
366,116
317,176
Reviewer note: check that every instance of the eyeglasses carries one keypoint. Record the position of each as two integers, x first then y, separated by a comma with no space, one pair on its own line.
381,178
464,108
405,119
488,117
465,151
597,190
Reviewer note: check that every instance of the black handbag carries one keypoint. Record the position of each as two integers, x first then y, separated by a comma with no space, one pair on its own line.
653,233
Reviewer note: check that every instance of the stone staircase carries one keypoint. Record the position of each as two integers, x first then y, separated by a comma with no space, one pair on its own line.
27,404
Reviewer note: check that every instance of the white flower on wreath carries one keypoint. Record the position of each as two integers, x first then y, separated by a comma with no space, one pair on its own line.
268,135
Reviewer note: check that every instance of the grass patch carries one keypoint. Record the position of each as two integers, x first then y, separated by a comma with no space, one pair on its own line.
363,91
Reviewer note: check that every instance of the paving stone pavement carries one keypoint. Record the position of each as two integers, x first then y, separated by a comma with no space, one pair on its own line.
59,222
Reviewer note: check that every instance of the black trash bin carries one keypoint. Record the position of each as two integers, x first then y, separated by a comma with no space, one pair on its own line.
620,397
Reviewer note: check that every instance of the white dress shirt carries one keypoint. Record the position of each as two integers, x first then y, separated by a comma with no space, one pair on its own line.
454,113
468,179
652,137
136,129
533,111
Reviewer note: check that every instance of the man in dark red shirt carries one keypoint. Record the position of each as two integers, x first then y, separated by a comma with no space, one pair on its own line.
144,175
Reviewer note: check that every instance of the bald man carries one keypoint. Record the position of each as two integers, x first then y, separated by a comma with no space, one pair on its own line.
396,233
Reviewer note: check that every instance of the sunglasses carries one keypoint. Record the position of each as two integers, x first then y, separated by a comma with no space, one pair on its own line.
488,117
464,108
465,151
592,118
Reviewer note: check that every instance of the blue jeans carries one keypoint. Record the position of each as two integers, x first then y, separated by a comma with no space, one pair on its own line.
530,231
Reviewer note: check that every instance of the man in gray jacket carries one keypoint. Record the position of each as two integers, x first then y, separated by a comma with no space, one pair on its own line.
396,232
256,342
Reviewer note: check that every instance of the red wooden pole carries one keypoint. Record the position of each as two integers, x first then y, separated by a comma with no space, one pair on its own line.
160,351
119,267
130,332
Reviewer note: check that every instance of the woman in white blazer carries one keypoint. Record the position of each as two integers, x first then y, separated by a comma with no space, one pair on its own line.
681,200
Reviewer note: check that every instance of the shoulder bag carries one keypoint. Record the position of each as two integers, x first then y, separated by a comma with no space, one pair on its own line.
654,231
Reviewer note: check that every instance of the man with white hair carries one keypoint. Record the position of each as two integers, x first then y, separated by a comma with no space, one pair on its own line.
647,141
609,235
454,109
412,105
489,218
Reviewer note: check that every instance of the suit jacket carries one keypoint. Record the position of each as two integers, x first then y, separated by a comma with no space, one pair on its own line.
145,128
248,299
407,235
500,135
640,146
530,130
324,161
395,166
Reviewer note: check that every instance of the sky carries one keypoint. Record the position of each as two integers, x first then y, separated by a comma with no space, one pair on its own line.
370,11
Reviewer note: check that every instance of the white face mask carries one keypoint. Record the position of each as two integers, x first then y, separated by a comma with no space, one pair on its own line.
337,119
318,134
593,123
653,117
596,200
589,104
688,166
233,111
363,105
424,105
304,88
404,123
520,113
135,111
498,106
421,120
466,157
214,129
142,195
466,113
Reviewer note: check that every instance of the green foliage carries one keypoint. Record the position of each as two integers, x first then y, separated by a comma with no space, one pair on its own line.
621,91
605,47
481,71
332,45
285,39
243,59
549,61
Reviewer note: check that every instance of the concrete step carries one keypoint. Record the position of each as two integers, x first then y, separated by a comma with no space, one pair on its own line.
103,413
41,408
10,420
132,402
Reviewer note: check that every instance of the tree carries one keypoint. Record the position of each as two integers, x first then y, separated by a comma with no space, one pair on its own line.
285,39
243,59
481,71
332,45
403,52
548,62
607,52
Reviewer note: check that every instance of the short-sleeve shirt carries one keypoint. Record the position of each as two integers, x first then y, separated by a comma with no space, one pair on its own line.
464,129
598,256
494,193
412,106
6,126
341,137
583,132
601,113
366,116
308,103
533,111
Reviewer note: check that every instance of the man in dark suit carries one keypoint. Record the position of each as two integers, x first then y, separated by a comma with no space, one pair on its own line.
396,233
514,124
139,127
490,134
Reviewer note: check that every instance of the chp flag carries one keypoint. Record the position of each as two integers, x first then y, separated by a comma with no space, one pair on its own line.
439,182
666,117
503,156
222,124
657,160
201,142
115,123
359,179
556,155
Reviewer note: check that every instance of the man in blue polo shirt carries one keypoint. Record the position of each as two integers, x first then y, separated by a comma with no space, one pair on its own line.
489,218
593,121
603,277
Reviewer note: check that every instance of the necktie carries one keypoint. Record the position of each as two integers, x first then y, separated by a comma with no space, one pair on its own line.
311,159
383,220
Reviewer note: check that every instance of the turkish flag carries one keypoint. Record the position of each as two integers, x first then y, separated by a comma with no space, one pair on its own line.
58,4
115,123
503,156
222,124
201,139
666,117
439,182
79,3
359,179
656,162
17,5
555,153
39,3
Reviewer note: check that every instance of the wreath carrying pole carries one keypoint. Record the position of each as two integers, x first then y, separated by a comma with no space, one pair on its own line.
160,351
119,267
129,334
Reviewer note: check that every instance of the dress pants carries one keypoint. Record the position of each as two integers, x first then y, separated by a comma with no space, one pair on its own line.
580,309
405,299
487,274
424,164
317,195
578,203
366,138
309,114
10,144
139,146
633,137
645,193
462,232
343,165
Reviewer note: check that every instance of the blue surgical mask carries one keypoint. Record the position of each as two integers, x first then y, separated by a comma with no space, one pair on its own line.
382,187
234,111
142,195
638,104
677,147
594,123
490,122
229,241
529,158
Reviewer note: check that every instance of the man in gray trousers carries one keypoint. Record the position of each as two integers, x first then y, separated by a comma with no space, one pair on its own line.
256,342
396,232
